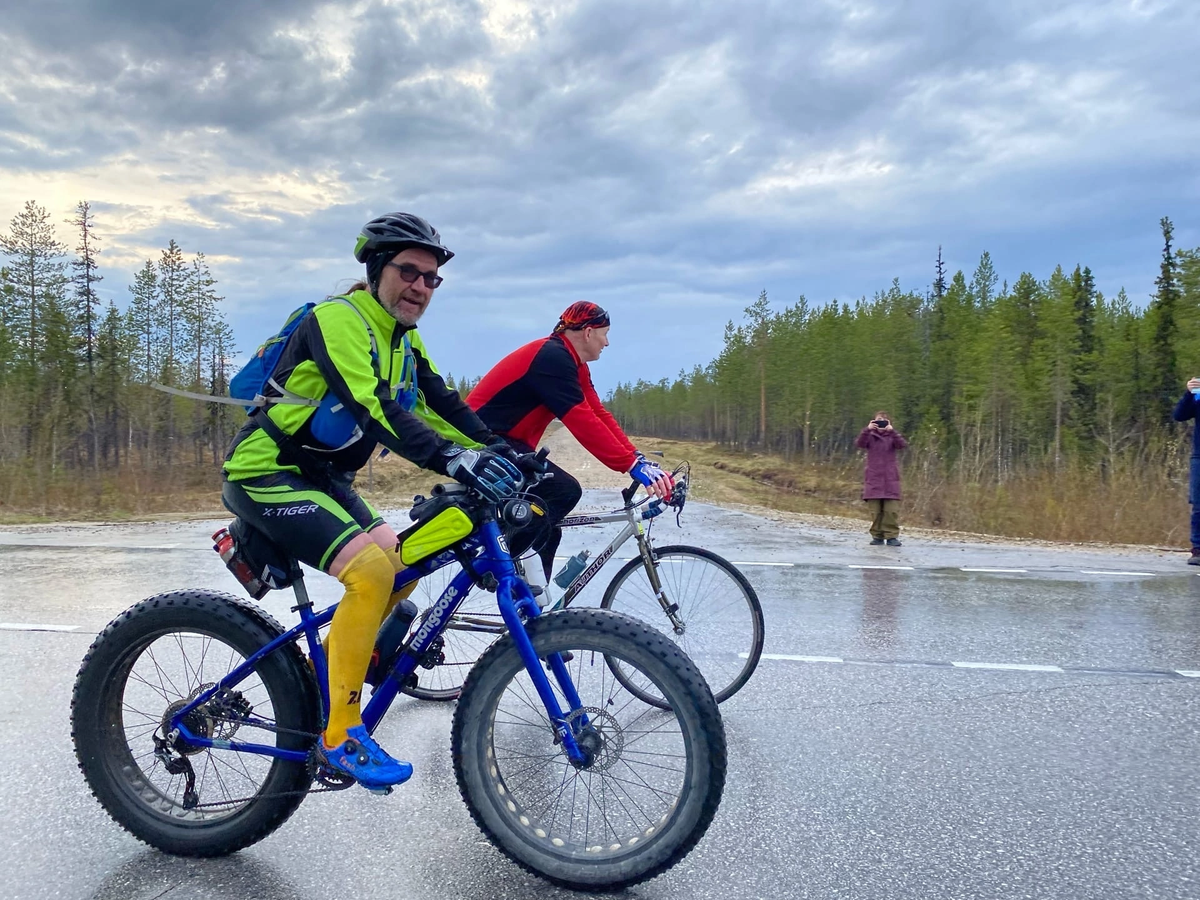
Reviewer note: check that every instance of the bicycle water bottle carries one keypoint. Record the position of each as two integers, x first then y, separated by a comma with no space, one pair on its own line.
387,642
574,566
226,548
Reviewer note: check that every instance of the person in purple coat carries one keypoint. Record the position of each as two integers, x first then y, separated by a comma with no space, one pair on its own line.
881,478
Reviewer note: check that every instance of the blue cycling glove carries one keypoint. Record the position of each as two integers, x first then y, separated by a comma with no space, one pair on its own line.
646,472
487,472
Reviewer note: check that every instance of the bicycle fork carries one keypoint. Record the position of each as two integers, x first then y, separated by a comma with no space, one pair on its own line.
651,564
564,725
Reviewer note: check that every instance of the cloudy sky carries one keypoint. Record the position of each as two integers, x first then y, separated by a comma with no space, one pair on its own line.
668,160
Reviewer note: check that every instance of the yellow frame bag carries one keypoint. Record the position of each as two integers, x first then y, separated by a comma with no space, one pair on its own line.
426,538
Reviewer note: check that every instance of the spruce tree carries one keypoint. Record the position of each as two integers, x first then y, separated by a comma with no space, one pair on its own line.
1164,310
36,271
84,280
939,277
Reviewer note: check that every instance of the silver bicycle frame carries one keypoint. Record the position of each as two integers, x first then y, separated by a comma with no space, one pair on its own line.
633,529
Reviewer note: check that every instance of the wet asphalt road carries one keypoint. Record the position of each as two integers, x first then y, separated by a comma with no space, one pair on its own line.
882,751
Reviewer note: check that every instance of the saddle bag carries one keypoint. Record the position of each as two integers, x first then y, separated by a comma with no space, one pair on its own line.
257,562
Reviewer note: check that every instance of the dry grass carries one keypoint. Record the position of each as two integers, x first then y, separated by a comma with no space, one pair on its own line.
1130,505
190,491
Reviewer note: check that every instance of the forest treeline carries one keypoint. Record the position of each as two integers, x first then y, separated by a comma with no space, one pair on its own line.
991,382
75,373
990,376
80,424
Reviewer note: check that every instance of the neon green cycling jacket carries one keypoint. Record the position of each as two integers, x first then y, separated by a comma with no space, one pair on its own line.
331,351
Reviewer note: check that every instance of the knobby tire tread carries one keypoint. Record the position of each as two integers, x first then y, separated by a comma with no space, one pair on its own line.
709,725
229,607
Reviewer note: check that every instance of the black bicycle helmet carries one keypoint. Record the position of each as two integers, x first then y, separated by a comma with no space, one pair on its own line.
397,231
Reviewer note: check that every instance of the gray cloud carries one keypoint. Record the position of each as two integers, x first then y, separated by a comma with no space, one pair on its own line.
669,160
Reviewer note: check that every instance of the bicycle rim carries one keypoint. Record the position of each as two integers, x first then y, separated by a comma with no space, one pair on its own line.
162,675
655,775
721,614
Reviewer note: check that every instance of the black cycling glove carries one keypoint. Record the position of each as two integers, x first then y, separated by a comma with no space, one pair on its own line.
485,471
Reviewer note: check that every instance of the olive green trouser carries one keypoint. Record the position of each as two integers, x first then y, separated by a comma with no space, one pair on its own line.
885,522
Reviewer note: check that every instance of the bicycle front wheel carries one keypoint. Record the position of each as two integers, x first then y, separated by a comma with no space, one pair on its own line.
722,619
651,782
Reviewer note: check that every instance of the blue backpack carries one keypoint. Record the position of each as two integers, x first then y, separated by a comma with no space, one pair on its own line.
331,424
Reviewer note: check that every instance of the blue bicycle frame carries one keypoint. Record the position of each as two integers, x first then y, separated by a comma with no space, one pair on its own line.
489,557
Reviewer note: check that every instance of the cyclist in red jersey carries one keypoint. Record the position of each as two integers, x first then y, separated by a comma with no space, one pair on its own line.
549,379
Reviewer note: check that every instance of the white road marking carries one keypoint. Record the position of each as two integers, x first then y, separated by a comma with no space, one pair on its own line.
906,568
1105,572
21,626
983,666
968,569
751,563
1016,667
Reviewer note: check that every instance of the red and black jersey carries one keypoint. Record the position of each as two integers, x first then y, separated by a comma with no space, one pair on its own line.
543,381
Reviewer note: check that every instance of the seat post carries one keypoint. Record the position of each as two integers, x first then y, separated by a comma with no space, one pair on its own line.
302,599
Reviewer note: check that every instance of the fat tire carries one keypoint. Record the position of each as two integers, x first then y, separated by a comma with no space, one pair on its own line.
758,637
100,744
692,703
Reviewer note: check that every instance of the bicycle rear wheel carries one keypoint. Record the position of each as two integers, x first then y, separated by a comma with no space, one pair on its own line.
471,630
149,663
722,618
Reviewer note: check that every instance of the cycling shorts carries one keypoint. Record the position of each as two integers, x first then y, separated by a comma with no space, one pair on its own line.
310,523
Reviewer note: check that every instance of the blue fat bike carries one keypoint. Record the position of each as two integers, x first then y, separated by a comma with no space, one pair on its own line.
195,715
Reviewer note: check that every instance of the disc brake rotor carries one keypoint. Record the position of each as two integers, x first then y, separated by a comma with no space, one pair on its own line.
602,738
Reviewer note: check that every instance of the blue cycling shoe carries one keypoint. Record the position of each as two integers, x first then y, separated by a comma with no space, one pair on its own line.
364,760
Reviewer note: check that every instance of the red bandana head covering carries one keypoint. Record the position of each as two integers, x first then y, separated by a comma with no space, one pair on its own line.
581,314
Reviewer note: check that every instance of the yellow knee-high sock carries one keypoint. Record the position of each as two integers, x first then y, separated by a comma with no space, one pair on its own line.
368,579
392,601
393,555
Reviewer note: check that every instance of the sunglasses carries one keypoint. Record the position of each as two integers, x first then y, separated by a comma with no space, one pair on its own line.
409,274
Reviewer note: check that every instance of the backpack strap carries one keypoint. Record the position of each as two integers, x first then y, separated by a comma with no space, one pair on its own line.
288,397
318,471
345,301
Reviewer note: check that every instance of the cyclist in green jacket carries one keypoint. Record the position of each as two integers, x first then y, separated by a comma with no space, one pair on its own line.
289,471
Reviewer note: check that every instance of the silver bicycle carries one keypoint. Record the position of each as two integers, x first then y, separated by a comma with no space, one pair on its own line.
693,595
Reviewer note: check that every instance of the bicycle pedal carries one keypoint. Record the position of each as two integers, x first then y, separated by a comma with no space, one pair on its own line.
379,791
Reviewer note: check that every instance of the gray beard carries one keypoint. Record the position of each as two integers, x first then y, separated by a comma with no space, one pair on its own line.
401,318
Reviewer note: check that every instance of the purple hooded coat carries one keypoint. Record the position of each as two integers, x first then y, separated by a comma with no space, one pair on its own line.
881,478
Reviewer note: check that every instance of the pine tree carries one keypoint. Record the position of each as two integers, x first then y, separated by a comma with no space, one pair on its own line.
1083,389
37,279
142,328
172,290
759,314
172,287
197,314
85,280
1164,309
112,377
983,282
